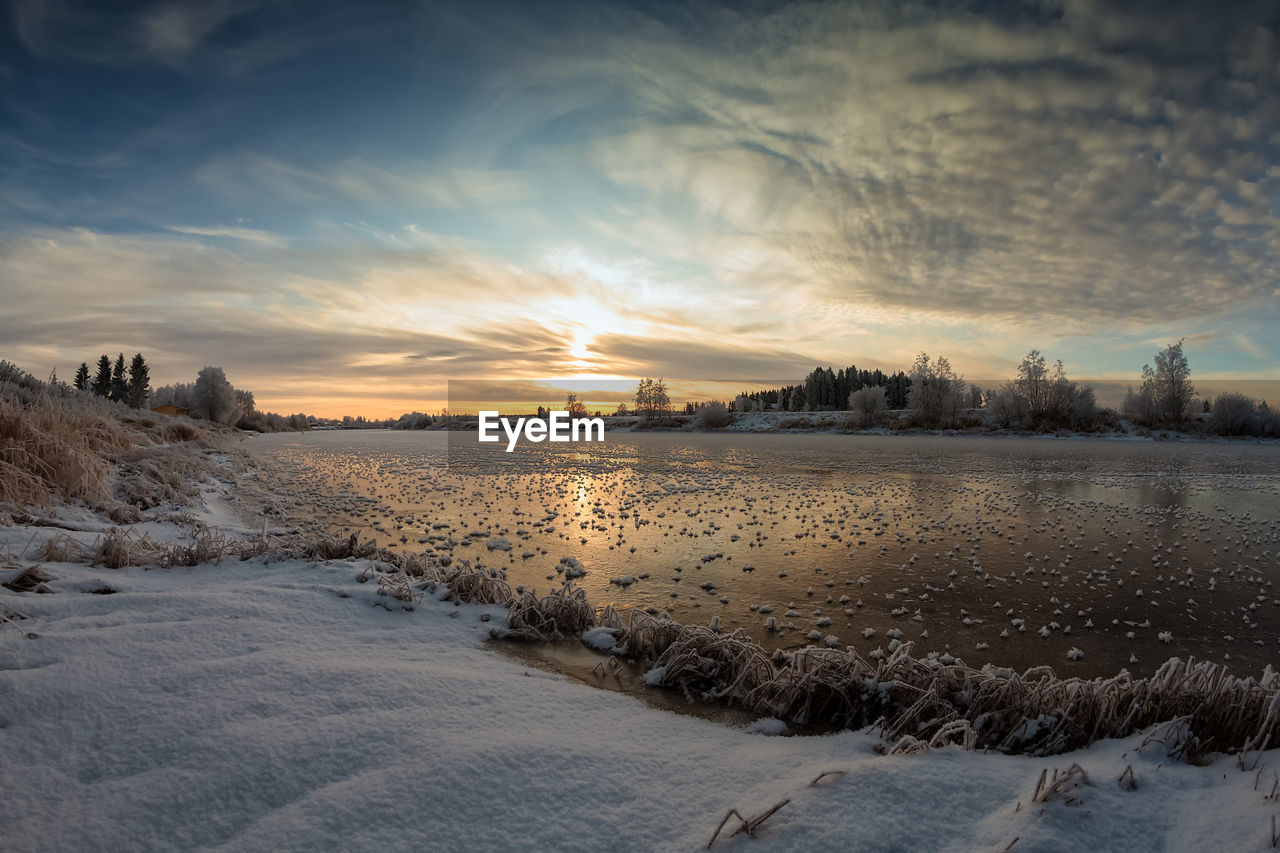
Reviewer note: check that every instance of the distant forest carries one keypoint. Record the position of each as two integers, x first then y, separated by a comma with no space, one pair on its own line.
930,395
1040,397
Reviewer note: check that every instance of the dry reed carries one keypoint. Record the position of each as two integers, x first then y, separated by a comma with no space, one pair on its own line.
749,825
61,445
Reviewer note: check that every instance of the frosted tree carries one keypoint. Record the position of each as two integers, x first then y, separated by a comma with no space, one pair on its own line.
712,415
215,399
937,394
1139,406
182,394
1041,396
1233,414
652,398
1170,382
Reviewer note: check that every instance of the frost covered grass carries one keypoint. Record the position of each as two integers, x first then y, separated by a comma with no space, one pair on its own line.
50,449
914,701
62,446
931,700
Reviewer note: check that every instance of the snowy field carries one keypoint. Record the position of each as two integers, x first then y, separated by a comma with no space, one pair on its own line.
287,706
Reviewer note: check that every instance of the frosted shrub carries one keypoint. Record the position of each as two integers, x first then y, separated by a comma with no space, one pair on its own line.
1233,414
866,405
712,415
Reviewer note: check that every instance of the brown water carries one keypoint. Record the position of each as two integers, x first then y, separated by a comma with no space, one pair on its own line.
946,542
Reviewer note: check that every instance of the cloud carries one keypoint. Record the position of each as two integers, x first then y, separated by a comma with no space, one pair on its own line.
171,31
222,38
693,190
1250,347
380,325
674,358
249,235
1062,173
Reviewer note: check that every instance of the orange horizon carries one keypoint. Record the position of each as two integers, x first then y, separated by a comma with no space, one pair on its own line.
1109,391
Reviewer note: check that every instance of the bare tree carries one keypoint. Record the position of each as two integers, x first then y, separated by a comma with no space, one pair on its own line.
1032,384
1166,389
652,398
936,394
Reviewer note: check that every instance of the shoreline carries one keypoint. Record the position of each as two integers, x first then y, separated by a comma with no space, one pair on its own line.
1134,435
218,524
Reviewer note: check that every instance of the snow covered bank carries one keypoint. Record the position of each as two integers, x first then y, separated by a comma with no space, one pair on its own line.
288,706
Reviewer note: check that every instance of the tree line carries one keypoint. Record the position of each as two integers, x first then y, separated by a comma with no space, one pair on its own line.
116,382
826,390
211,397
1039,397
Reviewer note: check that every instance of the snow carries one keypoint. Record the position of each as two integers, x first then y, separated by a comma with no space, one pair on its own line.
286,706
602,639
767,726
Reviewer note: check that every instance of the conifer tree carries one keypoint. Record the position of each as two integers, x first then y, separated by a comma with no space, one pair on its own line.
139,380
102,382
119,385
82,377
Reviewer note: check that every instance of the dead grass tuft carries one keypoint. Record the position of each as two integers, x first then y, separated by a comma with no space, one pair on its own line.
60,549
1060,785
119,547
32,578
148,477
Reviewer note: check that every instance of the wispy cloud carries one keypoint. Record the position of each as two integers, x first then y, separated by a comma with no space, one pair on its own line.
249,235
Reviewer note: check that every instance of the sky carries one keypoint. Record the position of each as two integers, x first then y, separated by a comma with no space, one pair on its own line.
347,205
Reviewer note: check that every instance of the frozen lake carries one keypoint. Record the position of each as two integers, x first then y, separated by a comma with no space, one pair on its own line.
1130,552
